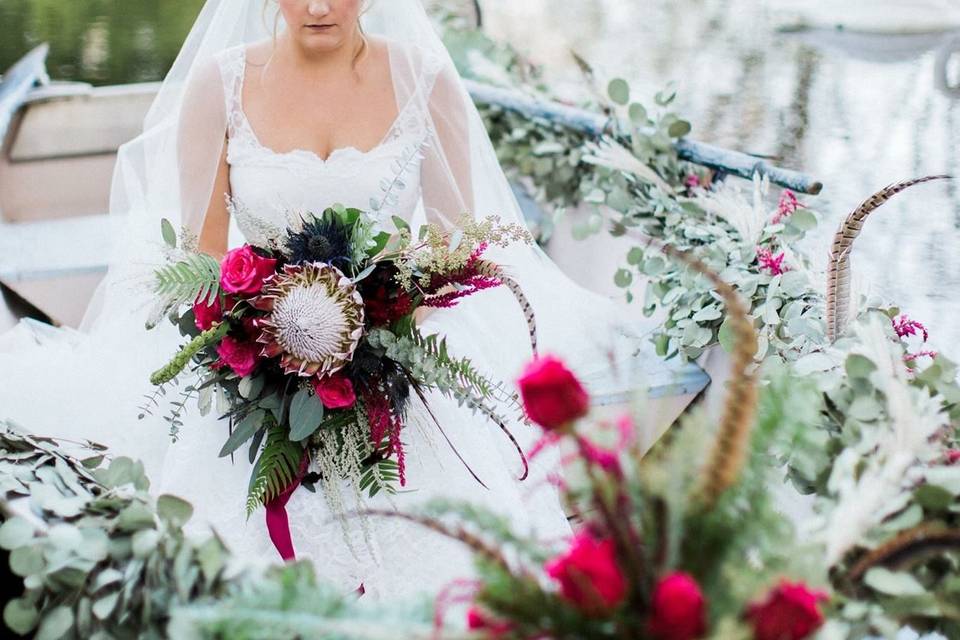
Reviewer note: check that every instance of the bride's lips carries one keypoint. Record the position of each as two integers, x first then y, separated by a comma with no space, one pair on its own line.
320,27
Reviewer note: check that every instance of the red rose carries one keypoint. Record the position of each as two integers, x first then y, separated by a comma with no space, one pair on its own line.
589,576
790,612
204,315
242,357
478,621
552,395
243,271
335,392
678,610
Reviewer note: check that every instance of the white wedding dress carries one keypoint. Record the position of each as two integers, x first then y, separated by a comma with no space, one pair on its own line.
390,557
436,160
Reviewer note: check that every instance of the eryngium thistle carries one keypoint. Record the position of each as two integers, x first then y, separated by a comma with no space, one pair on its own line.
322,239
315,319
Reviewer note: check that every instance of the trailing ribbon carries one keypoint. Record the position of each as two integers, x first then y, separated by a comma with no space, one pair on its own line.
278,526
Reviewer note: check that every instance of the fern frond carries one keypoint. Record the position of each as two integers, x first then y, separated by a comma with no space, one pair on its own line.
276,468
197,276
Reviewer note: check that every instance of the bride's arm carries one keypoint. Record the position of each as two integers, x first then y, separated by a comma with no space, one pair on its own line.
216,222
204,176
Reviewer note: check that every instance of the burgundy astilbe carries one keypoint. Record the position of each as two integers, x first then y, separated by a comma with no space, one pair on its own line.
904,327
466,288
773,264
385,425
787,206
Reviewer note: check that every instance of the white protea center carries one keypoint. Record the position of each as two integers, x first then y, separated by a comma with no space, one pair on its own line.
315,321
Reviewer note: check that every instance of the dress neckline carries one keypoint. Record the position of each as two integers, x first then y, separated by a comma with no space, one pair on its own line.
308,153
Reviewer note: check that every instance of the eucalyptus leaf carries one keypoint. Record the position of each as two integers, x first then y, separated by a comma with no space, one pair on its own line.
169,233
21,616
15,532
175,511
25,561
619,91
55,624
637,113
306,414
893,583
623,278
243,432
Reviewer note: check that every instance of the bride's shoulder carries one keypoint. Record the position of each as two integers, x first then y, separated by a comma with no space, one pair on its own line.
408,55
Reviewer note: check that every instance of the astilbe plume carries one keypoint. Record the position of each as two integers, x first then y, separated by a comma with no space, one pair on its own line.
773,264
467,280
904,327
385,424
787,206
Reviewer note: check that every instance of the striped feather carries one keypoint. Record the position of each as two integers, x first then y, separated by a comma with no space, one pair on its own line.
838,267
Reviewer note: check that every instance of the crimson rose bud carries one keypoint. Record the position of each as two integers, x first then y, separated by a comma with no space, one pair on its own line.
242,357
335,391
790,612
204,315
589,576
552,395
677,609
243,271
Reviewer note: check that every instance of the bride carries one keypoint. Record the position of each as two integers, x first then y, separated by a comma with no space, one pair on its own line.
280,106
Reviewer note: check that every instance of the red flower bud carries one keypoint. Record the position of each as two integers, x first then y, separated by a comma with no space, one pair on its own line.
589,576
790,612
552,395
677,609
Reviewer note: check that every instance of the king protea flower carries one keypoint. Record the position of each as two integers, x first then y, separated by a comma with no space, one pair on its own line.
315,318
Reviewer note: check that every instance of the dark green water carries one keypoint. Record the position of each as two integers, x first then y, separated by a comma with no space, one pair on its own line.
98,41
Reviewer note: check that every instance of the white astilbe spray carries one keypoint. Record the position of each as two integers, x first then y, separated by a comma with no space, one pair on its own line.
748,216
874,478
339,455
611,154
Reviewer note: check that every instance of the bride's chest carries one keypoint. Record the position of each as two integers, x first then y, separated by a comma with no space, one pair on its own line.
272,190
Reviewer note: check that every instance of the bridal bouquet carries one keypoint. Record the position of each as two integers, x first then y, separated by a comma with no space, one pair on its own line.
312,350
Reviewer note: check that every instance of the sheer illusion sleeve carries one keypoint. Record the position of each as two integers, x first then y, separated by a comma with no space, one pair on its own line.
447,169
201,136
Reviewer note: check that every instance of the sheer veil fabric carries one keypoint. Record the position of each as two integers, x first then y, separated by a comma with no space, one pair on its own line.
77,384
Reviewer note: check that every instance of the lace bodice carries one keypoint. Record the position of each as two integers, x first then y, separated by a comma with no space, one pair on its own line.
271,190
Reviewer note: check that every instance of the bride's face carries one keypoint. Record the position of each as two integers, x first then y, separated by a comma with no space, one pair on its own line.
321,24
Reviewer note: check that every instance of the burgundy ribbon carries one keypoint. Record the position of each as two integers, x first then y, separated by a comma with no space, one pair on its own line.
278,526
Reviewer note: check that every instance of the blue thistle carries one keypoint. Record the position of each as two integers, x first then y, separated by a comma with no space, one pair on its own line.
322,239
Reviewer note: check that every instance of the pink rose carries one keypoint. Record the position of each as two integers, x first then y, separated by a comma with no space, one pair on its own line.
335,392
790,612
589,576
243,271
552,395
242,357
678,610
205,315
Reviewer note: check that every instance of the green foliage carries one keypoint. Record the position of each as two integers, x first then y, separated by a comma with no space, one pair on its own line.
180,361
276,467
195,277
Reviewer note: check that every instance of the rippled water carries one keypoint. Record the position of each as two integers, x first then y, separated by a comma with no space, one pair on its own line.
856,112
